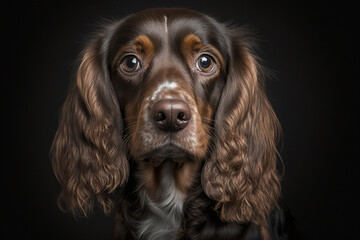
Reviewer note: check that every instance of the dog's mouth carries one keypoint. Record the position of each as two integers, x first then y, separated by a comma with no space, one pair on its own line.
169,152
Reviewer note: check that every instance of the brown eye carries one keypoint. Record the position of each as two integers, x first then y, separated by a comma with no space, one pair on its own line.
130,64
205,64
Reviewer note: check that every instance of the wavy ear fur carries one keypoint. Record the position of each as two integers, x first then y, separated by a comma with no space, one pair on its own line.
241,175
88,156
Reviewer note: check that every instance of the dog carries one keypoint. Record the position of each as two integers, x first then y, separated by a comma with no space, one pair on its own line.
168,126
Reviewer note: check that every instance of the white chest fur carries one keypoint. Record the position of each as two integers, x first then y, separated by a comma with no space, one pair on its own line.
163,218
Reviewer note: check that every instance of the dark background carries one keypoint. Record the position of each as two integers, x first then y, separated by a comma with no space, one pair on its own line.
310,46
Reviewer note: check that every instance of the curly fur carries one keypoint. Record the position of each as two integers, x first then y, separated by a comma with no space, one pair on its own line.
220,181
245,149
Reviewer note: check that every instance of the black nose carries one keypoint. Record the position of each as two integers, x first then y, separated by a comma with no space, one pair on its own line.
171,114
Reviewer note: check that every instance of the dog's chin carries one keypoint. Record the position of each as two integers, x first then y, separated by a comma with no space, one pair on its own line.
168,152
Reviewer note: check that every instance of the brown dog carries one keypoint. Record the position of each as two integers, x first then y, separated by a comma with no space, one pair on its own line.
168,110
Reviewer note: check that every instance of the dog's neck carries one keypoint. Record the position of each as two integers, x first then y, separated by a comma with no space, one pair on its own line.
164,188
152,175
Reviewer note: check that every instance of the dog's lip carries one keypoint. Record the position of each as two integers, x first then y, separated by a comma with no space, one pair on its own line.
168,151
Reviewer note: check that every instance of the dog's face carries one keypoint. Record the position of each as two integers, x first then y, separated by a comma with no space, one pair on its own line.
168,72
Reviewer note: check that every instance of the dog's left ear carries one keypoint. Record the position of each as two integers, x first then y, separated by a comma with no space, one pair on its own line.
241,174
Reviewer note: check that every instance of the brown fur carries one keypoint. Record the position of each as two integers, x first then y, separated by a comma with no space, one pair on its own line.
88,154
236,128
241,174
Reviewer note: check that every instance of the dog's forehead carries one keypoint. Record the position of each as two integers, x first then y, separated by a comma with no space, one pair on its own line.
168,25
163,19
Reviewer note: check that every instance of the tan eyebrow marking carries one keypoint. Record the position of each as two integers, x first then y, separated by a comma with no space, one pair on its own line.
142,45
193,44
190,45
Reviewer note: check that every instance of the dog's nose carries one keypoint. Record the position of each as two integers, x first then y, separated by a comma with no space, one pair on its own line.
171,114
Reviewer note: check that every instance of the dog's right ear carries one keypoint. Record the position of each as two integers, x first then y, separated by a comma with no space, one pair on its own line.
88,155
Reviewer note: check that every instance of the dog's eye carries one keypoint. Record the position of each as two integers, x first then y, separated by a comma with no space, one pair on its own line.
130,64
205,64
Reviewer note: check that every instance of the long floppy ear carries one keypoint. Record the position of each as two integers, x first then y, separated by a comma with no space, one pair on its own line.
88,156
241,174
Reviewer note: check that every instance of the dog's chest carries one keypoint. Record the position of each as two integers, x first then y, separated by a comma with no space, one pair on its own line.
163,218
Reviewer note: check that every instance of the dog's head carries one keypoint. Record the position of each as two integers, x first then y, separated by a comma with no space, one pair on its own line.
169,84
168,74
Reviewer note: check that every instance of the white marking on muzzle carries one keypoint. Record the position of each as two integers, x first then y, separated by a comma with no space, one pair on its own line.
163,86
